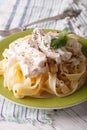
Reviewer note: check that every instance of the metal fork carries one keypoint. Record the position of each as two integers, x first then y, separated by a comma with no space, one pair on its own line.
68,13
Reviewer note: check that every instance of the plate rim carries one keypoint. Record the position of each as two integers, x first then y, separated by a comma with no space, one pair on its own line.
33,107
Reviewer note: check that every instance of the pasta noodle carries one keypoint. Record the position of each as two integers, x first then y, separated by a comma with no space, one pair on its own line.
30,67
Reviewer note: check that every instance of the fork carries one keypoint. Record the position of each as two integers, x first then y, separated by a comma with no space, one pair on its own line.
67,13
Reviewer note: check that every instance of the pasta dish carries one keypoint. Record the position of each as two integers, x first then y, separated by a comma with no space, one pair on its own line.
44,63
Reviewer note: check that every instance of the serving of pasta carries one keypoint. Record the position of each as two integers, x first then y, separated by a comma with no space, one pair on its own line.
44,64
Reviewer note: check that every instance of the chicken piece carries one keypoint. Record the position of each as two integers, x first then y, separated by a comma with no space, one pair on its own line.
44,42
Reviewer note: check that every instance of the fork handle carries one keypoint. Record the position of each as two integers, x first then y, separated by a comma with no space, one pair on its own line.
68,13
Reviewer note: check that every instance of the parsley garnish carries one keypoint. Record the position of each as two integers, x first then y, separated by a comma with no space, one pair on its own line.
61,40
58,43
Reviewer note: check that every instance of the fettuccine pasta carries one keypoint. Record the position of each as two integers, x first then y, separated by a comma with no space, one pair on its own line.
43,64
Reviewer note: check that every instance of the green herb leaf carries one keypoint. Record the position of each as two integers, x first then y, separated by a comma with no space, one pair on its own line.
58,43
61,40
65,32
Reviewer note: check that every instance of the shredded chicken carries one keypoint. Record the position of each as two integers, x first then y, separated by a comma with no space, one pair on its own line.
44,41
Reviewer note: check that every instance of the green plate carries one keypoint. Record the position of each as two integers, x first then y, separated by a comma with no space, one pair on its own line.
46,103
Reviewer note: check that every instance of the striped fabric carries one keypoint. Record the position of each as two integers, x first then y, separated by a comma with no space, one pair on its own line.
15,13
